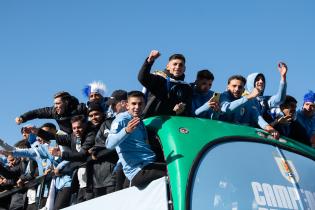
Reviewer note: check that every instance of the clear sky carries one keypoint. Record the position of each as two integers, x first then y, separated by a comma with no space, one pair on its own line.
48,46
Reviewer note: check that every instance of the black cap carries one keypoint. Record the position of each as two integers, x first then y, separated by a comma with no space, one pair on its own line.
117,95
95,106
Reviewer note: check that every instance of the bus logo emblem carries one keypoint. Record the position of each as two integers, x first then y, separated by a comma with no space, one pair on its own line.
184,130
287,169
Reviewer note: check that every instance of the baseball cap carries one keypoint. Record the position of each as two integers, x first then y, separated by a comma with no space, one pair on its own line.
117,95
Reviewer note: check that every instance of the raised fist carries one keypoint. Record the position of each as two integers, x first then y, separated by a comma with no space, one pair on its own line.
18,120
154,54
255,92
283,69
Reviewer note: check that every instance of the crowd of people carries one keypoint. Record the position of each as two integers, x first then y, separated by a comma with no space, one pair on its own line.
101,146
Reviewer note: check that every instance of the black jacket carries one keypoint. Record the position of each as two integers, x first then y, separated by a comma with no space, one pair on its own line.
165,92
50,113
12,174
102,168
295,131
87,141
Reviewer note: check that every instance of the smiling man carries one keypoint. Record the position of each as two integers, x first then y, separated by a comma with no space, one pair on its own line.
265,103
240,109
168,93
65,107
79,142
128,136
202,106
286,123
306,116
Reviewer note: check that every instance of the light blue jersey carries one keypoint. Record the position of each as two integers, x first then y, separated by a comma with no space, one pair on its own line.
200,106
241,111
133,151
265,103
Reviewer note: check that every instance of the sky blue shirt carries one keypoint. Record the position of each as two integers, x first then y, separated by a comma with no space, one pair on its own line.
267,102
40,153
241,111
200,106
133,151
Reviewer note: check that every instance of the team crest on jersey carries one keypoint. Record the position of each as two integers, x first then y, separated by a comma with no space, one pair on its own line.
287,169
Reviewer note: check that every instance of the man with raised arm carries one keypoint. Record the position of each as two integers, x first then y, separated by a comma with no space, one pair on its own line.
65,106
266,103
168,93
242,109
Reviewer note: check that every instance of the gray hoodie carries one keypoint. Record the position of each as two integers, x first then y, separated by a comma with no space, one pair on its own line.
267,102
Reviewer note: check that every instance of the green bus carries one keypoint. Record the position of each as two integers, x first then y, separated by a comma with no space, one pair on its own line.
217,165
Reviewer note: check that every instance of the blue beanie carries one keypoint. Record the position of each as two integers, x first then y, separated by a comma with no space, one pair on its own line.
309,97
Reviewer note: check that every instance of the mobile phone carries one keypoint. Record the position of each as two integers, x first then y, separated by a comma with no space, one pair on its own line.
215,97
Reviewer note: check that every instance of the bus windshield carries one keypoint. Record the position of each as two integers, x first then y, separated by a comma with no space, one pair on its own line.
248,175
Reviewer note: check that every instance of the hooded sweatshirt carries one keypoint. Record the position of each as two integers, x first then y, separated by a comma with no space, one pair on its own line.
265,103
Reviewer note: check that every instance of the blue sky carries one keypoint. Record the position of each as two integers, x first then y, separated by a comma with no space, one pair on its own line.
48,46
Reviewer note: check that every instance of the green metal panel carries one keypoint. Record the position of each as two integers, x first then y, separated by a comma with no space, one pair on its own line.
182,138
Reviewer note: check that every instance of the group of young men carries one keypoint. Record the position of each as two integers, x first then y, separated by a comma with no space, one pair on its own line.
106,143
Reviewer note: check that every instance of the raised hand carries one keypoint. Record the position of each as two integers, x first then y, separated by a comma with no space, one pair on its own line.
255,92
154,54
283,69
31,129
18,120
132,124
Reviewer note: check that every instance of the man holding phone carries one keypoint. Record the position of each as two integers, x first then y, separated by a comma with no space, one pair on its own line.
240,109
205,102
